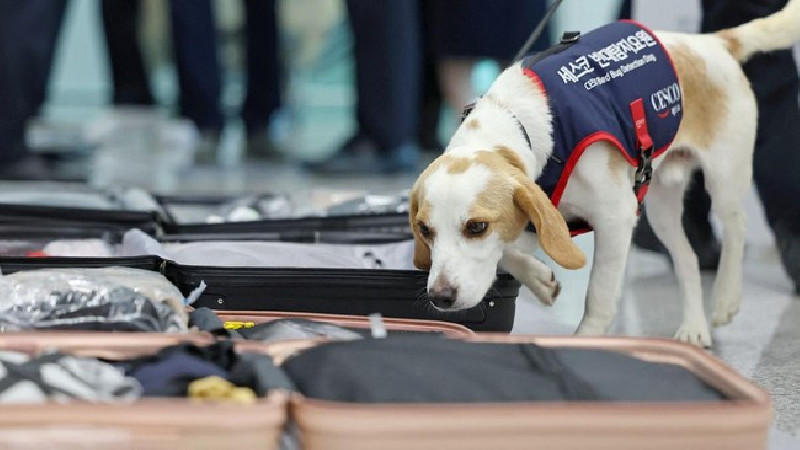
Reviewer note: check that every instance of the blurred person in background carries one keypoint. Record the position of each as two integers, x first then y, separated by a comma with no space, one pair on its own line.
29,31
387,56
461,33
774,80
195,50
401,44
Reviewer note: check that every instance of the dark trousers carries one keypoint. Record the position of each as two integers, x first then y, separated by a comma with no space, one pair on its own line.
28,34
195,52
264,71
129,81
775,82
194,44
386,35
197,61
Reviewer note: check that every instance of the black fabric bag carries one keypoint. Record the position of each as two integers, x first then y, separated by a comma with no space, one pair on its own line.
420,369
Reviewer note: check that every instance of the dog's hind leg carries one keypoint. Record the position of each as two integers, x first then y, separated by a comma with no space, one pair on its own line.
664,210
727,191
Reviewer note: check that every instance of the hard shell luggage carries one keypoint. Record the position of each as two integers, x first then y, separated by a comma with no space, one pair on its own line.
740,421
392,293
144,424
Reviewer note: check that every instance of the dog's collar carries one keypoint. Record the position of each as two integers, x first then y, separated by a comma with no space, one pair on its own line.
468,109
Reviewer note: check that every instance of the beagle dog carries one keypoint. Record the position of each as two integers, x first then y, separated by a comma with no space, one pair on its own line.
469,209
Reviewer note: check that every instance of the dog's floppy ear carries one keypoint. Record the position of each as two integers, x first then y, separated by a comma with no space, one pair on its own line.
422,253
550,225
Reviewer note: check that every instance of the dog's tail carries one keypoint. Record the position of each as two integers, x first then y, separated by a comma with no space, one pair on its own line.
774,32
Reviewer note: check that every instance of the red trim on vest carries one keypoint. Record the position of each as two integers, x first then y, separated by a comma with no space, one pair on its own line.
535,78
573,233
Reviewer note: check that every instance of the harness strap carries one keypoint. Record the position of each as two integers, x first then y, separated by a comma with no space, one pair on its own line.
468,109
644,170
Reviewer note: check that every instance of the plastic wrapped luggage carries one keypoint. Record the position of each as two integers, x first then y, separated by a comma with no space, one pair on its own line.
392,293
740,420
146,423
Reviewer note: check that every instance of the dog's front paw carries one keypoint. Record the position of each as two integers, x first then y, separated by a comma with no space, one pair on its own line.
546,291
697,334
724,311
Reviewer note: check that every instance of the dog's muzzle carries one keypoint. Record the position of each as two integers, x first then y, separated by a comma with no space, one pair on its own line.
443,295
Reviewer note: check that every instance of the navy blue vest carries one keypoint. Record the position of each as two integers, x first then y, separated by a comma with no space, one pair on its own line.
595,88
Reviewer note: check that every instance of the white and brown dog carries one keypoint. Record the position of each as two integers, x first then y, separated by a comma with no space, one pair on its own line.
470,207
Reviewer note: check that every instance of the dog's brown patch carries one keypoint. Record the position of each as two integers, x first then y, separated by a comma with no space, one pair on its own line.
458,165
511,157
496,206
732,43
418,210
704,102
473,124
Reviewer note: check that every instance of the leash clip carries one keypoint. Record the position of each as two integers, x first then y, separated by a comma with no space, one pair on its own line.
644,173
570,37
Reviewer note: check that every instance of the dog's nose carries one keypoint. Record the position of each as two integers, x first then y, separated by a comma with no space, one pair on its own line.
443,295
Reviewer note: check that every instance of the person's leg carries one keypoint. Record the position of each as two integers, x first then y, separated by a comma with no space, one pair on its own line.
195,48
387,53
128,75
455,79
430,109
388,64
28,35
774,79
430,92
626,9
262,96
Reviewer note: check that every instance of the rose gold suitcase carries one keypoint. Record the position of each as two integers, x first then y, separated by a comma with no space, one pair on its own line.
348,321
145,424
741,423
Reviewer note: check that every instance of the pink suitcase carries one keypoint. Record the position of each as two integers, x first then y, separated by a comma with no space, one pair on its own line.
145,424
738,424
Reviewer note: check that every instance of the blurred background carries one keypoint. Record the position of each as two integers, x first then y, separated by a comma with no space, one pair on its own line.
312,119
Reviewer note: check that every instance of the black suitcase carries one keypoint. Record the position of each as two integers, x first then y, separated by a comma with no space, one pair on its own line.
392,293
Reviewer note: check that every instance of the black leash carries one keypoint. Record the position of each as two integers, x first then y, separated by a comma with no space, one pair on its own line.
538,30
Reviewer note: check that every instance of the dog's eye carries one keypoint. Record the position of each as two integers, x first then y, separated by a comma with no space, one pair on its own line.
424,230
476,228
